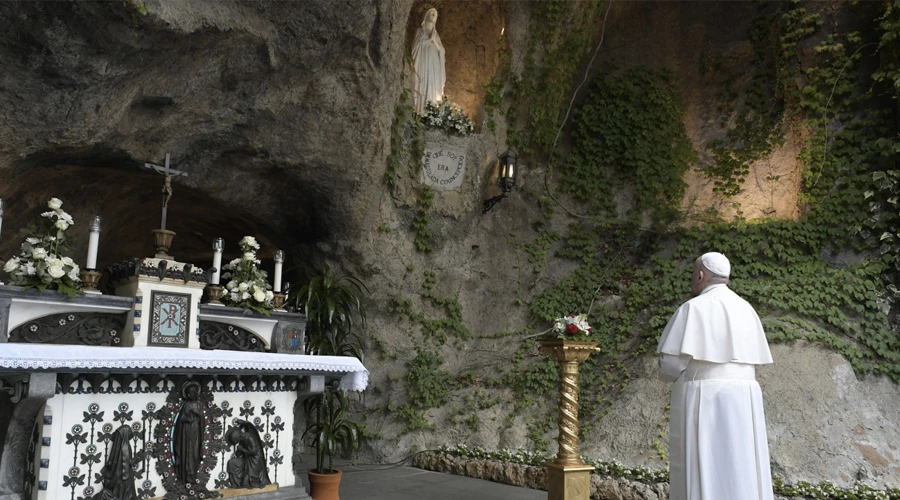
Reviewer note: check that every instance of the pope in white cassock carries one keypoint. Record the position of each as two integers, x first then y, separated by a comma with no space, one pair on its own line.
717,431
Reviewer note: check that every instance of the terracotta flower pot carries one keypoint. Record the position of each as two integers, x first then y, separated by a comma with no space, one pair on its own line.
324,486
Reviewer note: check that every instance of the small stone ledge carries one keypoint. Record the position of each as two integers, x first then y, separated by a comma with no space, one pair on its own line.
530,476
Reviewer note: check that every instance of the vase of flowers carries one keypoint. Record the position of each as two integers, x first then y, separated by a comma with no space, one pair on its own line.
572,326
40,263
247,286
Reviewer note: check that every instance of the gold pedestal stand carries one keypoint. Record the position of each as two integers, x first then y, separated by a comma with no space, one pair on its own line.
215,294
568,478
162,240
89,280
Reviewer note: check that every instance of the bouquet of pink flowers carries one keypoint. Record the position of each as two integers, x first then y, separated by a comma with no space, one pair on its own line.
572,325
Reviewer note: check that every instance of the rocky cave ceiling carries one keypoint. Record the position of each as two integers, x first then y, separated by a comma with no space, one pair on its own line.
260,102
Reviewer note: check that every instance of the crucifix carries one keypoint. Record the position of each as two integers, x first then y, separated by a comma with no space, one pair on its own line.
167,183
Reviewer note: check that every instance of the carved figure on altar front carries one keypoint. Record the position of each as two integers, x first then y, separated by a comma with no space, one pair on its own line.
428,62
117,475
187,440
247,466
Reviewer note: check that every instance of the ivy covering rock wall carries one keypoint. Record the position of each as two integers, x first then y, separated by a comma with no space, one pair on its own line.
607,220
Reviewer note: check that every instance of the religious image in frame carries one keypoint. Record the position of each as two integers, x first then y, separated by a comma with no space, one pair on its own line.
171,313
292,338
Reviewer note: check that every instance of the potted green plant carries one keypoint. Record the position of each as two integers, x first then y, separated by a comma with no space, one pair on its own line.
334,311
329,432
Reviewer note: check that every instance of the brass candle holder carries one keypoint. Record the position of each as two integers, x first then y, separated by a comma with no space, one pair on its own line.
162,240
90,279
568,477
278,300
215,294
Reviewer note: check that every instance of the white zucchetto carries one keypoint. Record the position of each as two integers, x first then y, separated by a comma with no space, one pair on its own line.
716,263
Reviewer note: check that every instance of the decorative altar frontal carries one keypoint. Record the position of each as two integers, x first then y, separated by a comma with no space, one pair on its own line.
94,399
147,391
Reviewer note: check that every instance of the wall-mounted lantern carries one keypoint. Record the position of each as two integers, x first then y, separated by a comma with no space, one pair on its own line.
507,179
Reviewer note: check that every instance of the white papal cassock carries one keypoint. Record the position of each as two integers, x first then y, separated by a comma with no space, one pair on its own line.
717,431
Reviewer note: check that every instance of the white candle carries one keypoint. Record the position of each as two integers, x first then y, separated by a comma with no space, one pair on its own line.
93,243
279,261
218,245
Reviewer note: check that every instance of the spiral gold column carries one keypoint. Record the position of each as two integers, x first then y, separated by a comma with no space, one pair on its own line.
568,478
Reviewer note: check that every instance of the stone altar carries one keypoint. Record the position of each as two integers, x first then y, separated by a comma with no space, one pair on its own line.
73,372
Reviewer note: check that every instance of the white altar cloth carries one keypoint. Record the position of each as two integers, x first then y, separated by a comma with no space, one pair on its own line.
54,357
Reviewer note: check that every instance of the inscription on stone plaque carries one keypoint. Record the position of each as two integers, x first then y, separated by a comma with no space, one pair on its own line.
443,166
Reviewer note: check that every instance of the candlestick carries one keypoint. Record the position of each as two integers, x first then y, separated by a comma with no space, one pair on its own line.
218,245
279,260
93,243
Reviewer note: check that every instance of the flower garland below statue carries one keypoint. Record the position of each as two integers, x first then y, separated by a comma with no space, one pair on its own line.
447,116
40,263
573,325
247,286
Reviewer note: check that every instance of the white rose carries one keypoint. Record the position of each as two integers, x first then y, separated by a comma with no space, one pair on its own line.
249,241
62,225
38,253
243,287
259,296
235,297
68,261
56,272
54,203
11,265
245,296
269,295
249,256
234,262
73,274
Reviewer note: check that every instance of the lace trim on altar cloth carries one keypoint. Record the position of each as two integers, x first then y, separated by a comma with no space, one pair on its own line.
50,357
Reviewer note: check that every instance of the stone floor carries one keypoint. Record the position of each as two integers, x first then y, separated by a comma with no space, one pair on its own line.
379,482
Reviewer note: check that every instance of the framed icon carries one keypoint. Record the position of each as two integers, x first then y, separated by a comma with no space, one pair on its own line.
169,319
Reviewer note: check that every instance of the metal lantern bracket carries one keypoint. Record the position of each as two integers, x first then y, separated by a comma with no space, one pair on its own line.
509,172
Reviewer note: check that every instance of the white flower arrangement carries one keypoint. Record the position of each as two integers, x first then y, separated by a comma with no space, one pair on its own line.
40,263
571,326
247,286
447,116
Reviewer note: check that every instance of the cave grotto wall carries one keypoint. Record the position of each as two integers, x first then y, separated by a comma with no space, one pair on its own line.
266,105
282,114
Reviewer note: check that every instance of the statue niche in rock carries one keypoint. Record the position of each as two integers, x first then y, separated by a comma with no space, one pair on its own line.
188,436
117,475
428,63
247,466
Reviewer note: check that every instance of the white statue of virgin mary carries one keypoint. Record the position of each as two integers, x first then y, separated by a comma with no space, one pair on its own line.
428,60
